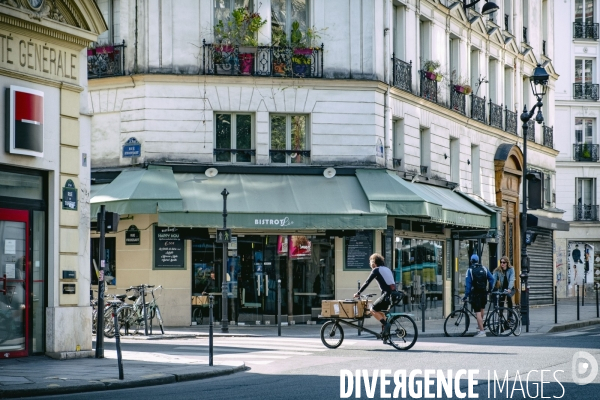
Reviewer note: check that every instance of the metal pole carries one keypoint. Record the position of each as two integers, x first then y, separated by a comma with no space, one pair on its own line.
583,294
555,306
224,309
118,340
358,283
100,323
597,309
278,307
210,330
577,286
423,304
143,294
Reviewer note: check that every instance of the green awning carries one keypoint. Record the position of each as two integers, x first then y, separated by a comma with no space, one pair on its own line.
139,191
287,202
390,194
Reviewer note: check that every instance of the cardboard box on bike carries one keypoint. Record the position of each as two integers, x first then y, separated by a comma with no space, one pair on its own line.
343,308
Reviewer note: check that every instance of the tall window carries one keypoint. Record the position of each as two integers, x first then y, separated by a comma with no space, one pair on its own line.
425,150
475,170
493,80
110,12
547,190
425,40
586,191
398,126
223,8
233,138
583,71
399,23
507,15
454,60
475,71
289,139
508,88
455,160
283,14
584,130
584,11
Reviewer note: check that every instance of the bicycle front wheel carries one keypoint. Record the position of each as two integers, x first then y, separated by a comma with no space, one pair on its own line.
332,334
403,332
109,323
124,320
457,323
517,325
160,321
498,321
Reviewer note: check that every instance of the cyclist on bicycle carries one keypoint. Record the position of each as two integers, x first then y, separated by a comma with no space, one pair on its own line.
385,279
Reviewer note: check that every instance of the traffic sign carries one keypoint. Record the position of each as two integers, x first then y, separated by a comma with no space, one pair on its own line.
223,235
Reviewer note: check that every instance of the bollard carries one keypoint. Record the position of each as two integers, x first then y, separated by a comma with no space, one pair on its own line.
423,305
210,330
577,286
118,340
582,295
278,307
143,294
358,284
555,306
597,309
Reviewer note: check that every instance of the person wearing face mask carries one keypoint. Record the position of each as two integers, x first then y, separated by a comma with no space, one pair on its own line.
504,275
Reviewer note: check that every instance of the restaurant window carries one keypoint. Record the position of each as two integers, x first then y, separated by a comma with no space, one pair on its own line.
233,138
110,269
289,139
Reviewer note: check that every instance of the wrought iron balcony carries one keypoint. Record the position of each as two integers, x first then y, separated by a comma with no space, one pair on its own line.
429,88
548,136
585,91
585,212
510,121
585,152
585,31
525,35
288,62
495,115
402,72
506,23
458,100
236,155
531,130
106,60
478,108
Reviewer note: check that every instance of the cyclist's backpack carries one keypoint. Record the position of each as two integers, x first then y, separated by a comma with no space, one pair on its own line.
479,278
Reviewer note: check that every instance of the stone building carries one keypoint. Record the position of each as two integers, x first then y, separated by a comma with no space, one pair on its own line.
342,129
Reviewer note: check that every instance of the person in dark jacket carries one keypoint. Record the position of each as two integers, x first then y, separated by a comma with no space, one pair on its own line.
478,297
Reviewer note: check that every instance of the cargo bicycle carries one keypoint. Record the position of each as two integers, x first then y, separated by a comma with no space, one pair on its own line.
403,333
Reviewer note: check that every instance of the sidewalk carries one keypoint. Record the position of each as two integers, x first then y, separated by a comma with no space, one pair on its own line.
35,376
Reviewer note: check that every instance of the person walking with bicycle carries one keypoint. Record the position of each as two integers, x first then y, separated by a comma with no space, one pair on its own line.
385,279
476,289
504,275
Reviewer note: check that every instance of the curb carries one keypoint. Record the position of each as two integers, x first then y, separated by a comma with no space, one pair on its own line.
573,325
114,384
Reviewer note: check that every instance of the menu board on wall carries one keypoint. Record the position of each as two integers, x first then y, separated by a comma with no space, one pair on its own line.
168,248
358,250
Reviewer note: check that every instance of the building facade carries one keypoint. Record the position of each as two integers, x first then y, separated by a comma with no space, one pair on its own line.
44,177
390,128
578,169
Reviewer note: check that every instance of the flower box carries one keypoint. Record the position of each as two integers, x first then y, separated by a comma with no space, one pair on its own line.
303,51
432,76
246,63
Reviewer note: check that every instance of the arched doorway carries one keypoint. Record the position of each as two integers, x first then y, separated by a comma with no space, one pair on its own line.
508,165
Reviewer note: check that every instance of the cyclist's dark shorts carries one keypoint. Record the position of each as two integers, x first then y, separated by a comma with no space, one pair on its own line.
382,303
478,301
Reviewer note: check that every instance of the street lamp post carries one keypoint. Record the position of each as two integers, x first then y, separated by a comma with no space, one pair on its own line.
539,85
224,320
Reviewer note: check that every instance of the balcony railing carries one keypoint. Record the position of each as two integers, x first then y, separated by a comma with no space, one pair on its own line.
544,47
227,155
585,30
585,212
106,60
457,100
531,130
478,108
495,115
585,91
585,152
548,136
224,59
429,89
525,35
402,74
510,121
506,23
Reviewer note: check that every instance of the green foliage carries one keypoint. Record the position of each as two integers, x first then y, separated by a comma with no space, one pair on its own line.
585,151
431,65
240,28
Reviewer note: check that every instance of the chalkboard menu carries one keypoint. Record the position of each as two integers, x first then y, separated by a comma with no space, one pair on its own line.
168,248
358,250
389,246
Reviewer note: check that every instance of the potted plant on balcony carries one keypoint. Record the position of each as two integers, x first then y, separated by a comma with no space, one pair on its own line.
585,151
461,84
429,68
241,30
302,51
280,50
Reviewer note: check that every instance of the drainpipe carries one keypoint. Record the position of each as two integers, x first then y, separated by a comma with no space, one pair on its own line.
135,59
386,78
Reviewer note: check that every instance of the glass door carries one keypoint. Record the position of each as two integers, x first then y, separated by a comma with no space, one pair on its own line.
14,271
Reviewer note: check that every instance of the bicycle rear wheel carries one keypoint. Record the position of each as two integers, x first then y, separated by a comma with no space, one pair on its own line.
124,320
403,332
109,323
332,334
517,324
498,321
457,323
160,320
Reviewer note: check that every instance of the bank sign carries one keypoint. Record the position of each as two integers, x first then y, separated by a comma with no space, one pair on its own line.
25,117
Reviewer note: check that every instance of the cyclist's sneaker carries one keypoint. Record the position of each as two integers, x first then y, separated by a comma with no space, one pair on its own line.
481,334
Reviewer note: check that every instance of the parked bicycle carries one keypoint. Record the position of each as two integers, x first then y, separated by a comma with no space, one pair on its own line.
109,330
131,317
501,321
403,333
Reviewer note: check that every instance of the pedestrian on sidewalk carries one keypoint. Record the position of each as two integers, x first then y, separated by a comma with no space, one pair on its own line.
476,290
